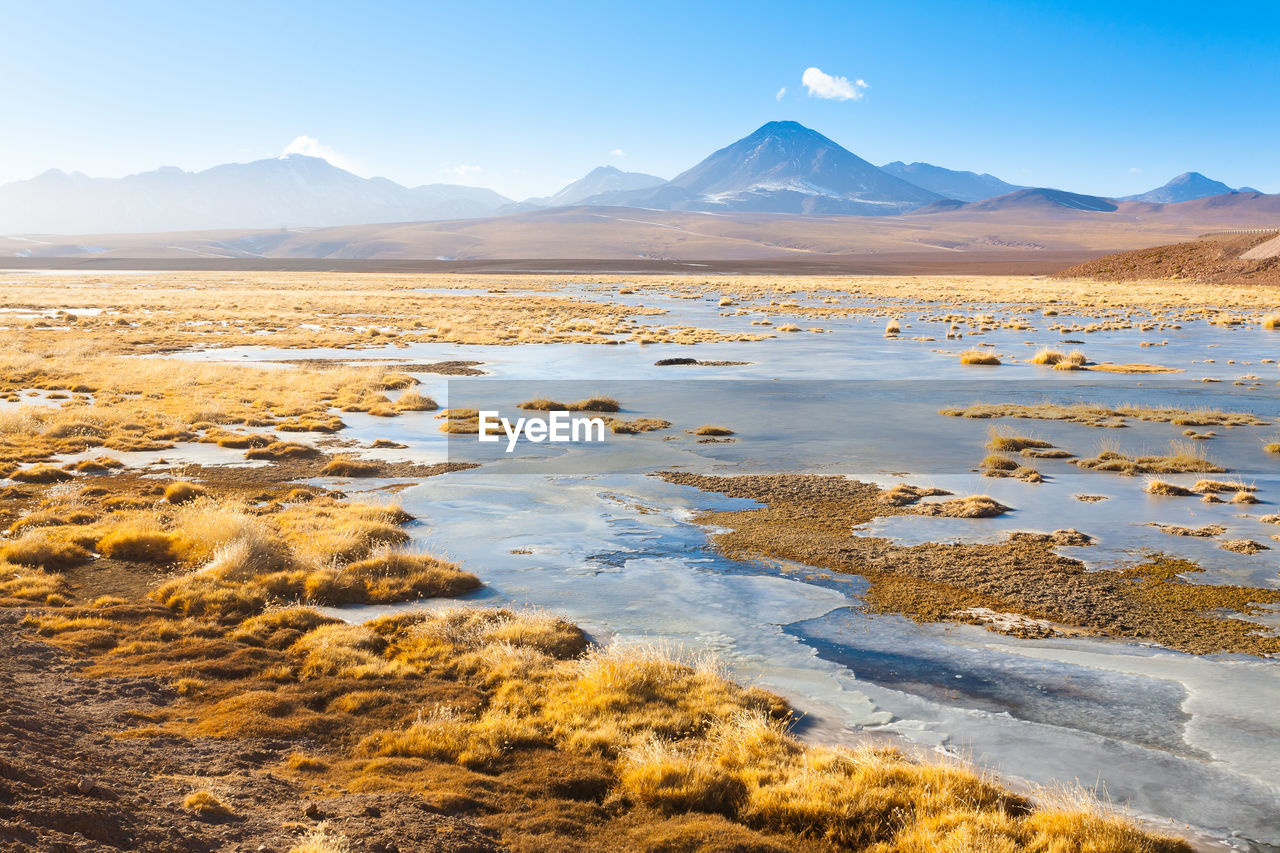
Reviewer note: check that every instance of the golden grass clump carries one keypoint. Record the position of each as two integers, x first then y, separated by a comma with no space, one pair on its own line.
306,763
996,462
904,494
412,401
978,357
1222,486
142,544
636,426
1183,457
323,530
973,506
1046,356
1166,489
25,584
1006,443
388,576
322,839
543,404
461,421
182,492
1105,416
347,466
277,450
750,769
1271,321
97,465
41,474
597,403
43,549
322,551
207,805
711,429
348,651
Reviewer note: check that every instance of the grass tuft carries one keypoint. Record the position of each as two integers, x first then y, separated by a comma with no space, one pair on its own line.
978,357
180,493
207,805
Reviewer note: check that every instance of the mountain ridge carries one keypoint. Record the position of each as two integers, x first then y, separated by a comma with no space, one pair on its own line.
293,190
782,167
951,183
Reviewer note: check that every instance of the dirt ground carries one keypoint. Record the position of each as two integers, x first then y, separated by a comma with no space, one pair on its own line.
68,783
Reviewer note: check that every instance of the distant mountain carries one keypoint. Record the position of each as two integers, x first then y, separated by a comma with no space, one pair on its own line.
1185,187
1033,199
602,179
290,191
949,183
784,167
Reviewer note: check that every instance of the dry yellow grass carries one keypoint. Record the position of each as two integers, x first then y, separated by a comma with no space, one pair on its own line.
322,551
346,466
1183,457
1105,416
1167,489
41,474
322,839
179,493
207,805
142,545
591,404
978,357
1054,358
973,506
20,584
42,549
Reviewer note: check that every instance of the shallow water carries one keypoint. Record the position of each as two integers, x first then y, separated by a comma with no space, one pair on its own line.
1172,735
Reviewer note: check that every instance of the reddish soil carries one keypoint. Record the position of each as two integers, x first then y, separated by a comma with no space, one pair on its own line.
1213,260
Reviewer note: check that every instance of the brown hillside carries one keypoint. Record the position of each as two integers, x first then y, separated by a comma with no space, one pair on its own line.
1215,259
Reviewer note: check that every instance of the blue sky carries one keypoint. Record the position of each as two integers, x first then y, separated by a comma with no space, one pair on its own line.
1094,97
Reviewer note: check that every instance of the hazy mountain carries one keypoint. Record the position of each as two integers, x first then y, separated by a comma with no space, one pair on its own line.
950,183
602,179
293,191
784,167
1032,199
1185,187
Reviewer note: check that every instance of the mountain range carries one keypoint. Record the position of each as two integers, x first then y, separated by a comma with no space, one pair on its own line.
781,168
289,191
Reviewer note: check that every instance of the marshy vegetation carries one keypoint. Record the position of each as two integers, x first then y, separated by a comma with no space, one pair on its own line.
808,519
1106,416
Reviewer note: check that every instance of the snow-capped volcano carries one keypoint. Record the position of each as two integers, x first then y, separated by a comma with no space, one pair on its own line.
784,167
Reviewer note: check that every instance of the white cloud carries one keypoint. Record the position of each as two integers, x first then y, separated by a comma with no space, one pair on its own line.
823,85
617,152
1134,170
781,94
463,171
312,147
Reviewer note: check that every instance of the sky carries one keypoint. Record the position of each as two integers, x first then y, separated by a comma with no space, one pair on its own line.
523,97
